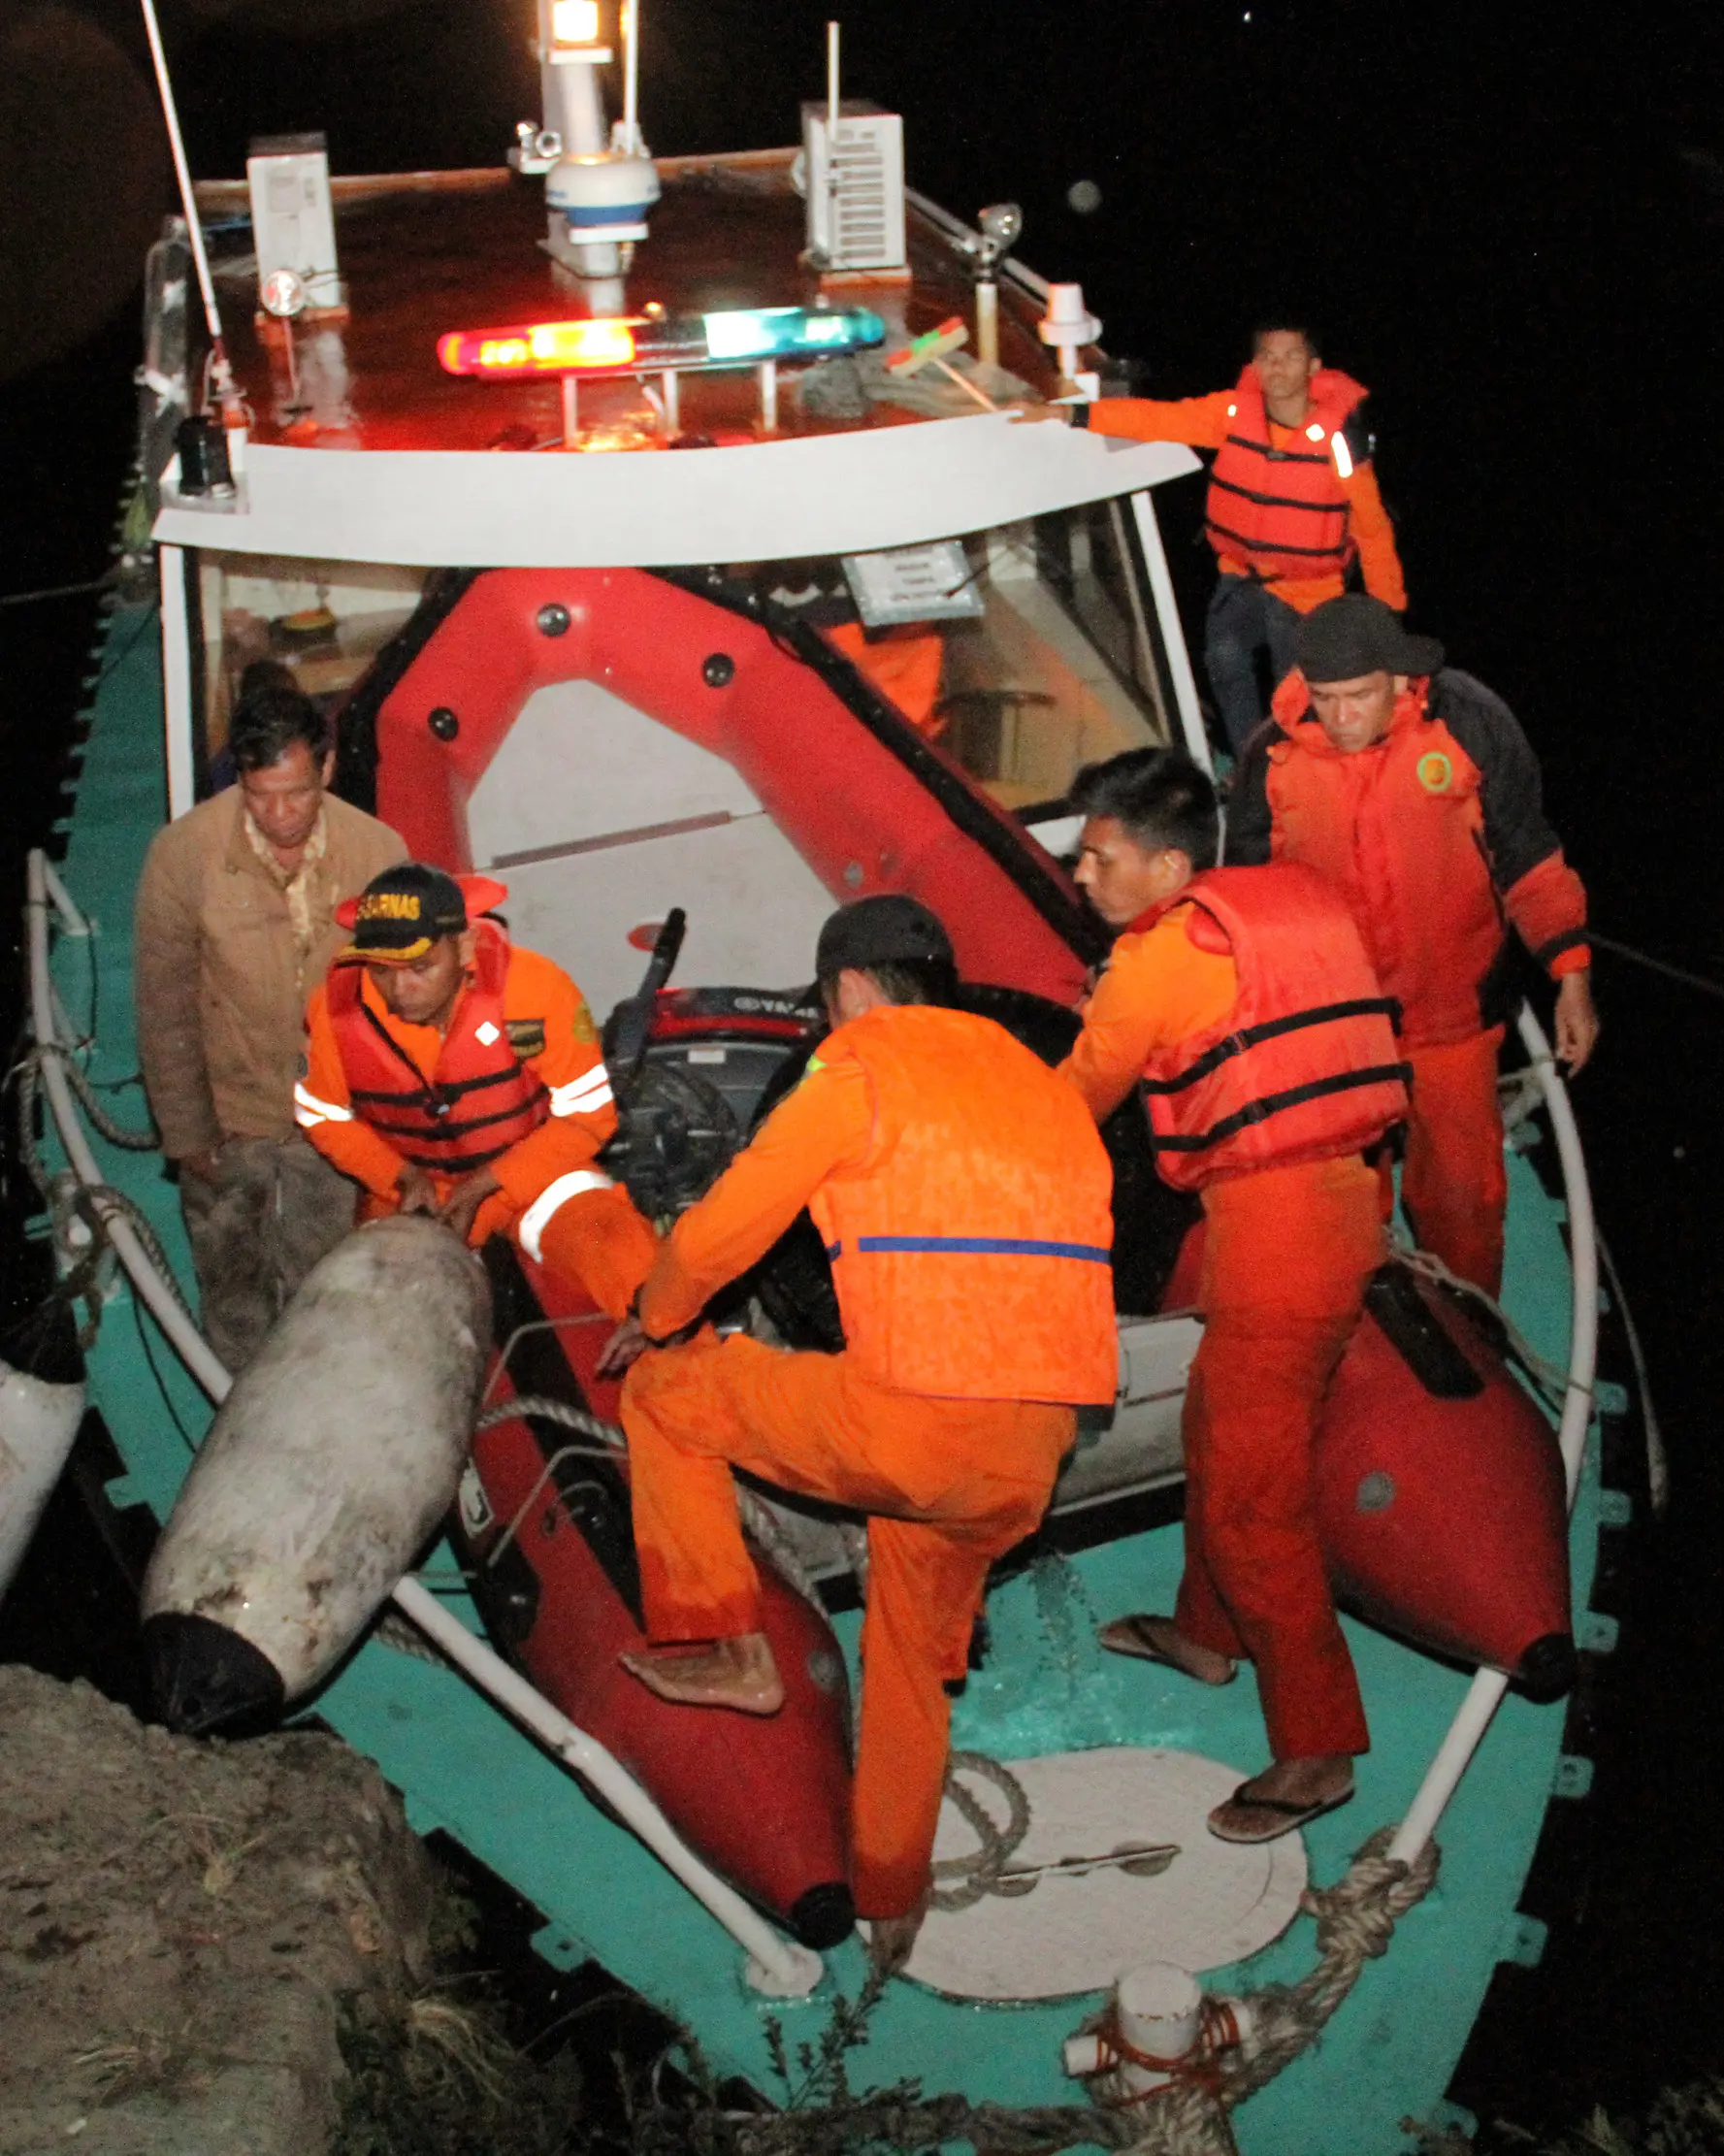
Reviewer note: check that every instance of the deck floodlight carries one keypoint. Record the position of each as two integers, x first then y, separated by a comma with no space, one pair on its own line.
574,21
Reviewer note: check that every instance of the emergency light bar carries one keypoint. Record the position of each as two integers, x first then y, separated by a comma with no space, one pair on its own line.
741,337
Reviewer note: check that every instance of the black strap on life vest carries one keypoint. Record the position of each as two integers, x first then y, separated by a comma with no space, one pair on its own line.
431,1098
1236,1044
1259,1111
1269,451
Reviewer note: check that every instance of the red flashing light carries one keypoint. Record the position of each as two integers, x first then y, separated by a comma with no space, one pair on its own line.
538,349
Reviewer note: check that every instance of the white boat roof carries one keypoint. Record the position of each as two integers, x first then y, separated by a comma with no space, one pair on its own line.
397,462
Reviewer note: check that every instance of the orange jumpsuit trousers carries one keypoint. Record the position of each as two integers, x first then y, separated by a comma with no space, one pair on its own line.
1454,1183
949,1485
595,1239
1288,1253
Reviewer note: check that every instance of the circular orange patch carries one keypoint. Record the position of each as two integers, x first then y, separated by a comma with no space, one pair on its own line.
1435,773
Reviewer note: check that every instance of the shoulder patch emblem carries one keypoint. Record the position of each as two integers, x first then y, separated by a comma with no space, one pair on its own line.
585,1030
1435,773
526,1035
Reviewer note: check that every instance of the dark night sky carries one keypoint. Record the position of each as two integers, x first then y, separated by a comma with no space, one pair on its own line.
1509,220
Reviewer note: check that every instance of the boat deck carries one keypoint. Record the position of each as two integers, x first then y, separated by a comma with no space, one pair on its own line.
424,253
465,1770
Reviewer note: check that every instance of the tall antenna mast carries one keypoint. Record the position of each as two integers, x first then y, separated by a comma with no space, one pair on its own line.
224,375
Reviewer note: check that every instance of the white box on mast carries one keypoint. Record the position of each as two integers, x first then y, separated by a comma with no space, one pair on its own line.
855,186
292,215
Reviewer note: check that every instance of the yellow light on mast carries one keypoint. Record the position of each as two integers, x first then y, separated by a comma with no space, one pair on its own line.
574,21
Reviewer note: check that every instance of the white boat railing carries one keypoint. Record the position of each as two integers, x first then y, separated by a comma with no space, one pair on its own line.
1484,1695
776,1966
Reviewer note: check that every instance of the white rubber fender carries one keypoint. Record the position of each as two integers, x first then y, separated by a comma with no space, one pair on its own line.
38,1423
336,1453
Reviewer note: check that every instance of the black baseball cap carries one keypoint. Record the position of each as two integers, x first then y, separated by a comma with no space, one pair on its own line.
885,930
402,913
1347,637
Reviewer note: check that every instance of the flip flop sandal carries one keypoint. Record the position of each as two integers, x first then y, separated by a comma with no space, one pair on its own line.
1285,1818
1130,1636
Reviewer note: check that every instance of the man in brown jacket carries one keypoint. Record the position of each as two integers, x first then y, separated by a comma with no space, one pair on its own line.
235,929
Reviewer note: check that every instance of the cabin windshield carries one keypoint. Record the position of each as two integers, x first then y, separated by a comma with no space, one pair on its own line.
323,621
1025,652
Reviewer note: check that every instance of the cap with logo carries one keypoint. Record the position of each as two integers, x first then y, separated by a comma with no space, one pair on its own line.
403,912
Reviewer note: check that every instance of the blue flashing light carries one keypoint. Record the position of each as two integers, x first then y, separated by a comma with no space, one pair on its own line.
791,332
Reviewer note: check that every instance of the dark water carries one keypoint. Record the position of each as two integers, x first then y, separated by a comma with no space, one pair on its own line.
1509,222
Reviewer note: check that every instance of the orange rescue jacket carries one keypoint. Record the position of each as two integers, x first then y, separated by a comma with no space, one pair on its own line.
480,1099
1282,511
1303,1067
1403,831
971,1248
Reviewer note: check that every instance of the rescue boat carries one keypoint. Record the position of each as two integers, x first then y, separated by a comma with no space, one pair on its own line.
675,532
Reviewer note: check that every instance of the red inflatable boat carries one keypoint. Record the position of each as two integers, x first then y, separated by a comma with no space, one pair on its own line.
1439,1493
548,1537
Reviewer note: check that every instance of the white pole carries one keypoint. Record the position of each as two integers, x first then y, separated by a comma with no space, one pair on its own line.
631,76
1167,614
777,1965
832,93
224,378
177,682
1484,1694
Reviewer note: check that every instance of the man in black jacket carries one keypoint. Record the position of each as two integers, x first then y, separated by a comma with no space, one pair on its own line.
1412,787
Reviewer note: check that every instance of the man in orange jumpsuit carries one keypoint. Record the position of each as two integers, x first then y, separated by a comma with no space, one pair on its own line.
1241,999
1292,502
1410,788
448,1072
963,1194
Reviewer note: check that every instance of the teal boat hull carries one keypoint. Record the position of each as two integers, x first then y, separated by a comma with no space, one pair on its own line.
1389,2053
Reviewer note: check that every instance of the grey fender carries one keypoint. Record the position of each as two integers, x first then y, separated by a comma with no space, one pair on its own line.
329,1464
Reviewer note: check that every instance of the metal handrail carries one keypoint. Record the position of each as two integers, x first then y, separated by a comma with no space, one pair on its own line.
1484,1695
776,1965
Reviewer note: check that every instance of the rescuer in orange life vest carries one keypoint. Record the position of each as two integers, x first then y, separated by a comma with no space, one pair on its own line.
1241,999
448,1072
1409,787
1292,502
963,1194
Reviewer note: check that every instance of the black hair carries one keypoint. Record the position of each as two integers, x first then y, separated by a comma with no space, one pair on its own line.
909,981
269,718
1163,799
1290,325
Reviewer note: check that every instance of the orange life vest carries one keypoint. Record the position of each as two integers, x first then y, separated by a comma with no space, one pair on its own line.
1398,830
1304,1067
479,1100
971,1256
1282,511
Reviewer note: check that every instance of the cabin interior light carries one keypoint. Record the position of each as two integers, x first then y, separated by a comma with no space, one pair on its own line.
574,21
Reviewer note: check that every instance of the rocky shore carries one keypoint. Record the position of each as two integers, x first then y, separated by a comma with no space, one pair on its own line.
186,1927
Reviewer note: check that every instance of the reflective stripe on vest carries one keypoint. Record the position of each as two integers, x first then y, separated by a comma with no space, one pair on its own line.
982,1246
1306,1069
1283,511
476,1069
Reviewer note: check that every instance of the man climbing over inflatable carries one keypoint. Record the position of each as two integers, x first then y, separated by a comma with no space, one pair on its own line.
449,1073
962,1195
1241,999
